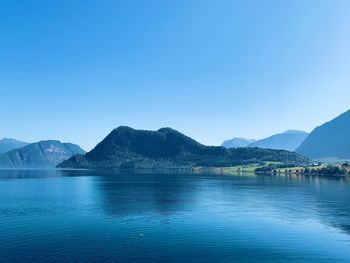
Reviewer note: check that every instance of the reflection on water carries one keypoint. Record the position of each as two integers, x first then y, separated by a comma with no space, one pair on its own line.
151,193
174,216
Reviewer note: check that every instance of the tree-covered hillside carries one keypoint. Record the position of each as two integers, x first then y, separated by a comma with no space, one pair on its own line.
125,147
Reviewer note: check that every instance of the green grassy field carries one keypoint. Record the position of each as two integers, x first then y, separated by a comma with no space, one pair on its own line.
235,169
252,167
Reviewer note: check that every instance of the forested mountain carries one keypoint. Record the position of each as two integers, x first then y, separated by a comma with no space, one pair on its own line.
125,147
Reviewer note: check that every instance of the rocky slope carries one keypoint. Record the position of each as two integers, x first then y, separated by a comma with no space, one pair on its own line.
7,145
43,154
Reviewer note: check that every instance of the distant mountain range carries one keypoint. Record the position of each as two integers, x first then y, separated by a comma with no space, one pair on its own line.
330,140
237,142
10,144
43,154
125,147
288,140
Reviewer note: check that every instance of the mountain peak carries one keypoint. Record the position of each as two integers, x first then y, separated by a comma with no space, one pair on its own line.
7,140
165,148
288,140
237,142
294,132
167,129
8,144
42,154
123,128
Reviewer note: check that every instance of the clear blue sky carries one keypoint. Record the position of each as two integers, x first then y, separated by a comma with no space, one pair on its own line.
74,70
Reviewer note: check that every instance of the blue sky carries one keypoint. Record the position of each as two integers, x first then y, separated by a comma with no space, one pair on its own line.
74,70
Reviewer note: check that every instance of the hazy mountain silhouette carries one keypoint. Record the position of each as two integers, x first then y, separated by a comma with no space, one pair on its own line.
331,139
43,154
288,140
7,145
237,142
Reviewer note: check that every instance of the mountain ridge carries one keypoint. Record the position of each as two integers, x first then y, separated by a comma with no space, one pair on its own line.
125,147
288,140
8,144
329,140
237,142
42,154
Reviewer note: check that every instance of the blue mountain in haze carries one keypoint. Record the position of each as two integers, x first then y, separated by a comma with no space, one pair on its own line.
288,140
237,142
332,139
43,154
10,144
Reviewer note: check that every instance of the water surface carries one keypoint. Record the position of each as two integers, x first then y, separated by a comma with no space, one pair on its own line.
108,216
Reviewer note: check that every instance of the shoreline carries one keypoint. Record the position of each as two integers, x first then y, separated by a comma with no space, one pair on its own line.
233,170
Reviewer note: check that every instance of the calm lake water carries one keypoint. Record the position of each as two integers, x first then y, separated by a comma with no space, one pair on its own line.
106,216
